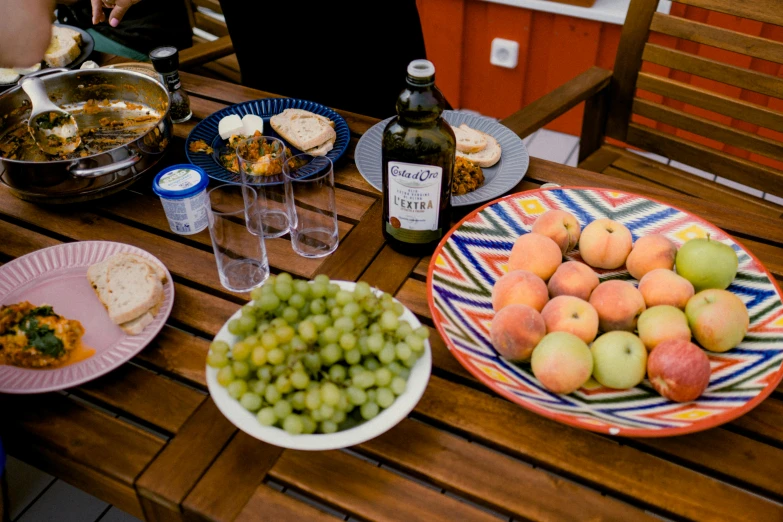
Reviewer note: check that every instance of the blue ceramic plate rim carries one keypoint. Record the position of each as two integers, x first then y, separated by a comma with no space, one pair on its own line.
207,130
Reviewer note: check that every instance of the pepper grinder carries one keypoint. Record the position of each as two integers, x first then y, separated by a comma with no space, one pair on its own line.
165,60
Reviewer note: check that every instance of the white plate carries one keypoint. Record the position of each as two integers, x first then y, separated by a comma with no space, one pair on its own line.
386,419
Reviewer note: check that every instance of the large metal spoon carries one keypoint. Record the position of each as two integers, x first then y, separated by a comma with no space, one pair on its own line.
53,129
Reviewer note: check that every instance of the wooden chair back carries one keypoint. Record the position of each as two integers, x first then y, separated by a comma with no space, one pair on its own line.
638,96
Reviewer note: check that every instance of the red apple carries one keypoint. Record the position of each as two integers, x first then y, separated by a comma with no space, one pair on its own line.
679,370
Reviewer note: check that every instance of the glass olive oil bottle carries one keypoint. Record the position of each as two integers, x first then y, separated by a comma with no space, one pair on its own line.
417,153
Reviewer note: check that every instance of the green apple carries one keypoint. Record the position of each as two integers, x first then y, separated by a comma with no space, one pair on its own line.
706,263
619,360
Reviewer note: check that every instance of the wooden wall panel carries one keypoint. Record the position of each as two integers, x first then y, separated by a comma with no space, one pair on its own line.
555,48
443,26
496,90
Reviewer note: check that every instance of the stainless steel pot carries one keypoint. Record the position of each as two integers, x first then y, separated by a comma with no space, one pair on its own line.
99,174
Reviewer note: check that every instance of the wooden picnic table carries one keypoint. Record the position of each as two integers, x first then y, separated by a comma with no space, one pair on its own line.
148,438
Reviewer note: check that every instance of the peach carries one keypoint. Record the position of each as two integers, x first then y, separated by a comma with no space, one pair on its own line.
718,319
664,287
562,362
561,226
536,253
516,330
519,287
570,314
573,278
649,253
679,370
618,304
662,323
605,244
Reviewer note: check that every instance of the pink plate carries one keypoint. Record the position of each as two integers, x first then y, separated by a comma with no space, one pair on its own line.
58,276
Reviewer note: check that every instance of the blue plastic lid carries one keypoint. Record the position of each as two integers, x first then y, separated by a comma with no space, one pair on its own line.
180,181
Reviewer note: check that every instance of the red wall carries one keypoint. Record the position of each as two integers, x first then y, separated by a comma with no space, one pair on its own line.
555,48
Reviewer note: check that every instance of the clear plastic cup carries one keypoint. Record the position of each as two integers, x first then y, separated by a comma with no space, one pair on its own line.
240,255
309,182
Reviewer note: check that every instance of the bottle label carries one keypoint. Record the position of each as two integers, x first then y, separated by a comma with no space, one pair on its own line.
414,202
172,81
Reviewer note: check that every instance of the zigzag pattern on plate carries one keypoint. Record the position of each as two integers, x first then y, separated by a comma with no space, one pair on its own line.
474,257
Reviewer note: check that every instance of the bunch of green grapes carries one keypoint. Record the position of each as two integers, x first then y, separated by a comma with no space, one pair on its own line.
311,357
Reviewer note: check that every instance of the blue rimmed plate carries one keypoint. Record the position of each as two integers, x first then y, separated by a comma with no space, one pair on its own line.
207,130
498,179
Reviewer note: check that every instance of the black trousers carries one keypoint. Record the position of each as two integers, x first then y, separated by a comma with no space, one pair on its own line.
350,55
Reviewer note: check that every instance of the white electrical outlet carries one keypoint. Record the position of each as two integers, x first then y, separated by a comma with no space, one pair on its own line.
504,53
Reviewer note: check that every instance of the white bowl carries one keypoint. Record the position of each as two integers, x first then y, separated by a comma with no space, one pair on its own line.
385,420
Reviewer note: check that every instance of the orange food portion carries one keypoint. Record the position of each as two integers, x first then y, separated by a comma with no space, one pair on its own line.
200,146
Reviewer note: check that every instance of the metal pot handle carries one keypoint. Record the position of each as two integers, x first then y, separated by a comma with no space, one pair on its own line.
106,169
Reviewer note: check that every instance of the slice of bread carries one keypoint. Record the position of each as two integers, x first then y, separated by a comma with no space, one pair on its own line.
97,275
136,326
133,289
322,150
486,157
303,130
63,47
301,112
469,140
159,271
8,76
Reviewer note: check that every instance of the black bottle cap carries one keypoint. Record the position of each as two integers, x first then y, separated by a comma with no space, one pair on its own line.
165,59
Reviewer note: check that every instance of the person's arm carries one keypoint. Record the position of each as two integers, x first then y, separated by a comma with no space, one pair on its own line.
26,29
118,10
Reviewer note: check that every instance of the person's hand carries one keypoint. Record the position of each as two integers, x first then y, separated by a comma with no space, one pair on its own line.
26,27
118,10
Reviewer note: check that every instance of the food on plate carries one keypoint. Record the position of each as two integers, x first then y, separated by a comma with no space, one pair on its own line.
570,314
663,317
37,337
619,360
230,125
28,70
718,319
130,287
200,146
536,253
309,356
467,177
485,152
516,330
562,362
561,226
251,124
679,370
573,278
605,243
619,305
64,46
707,263
305,130
663,323
262,157
650,252
469,140
663,287
8,76
519,287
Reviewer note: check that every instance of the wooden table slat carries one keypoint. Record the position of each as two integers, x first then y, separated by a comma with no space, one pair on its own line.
599,461
364,490
267,504
181,464
486,476
160,401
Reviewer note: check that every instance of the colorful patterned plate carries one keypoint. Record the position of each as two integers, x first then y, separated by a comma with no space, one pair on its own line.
58,276
474,255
